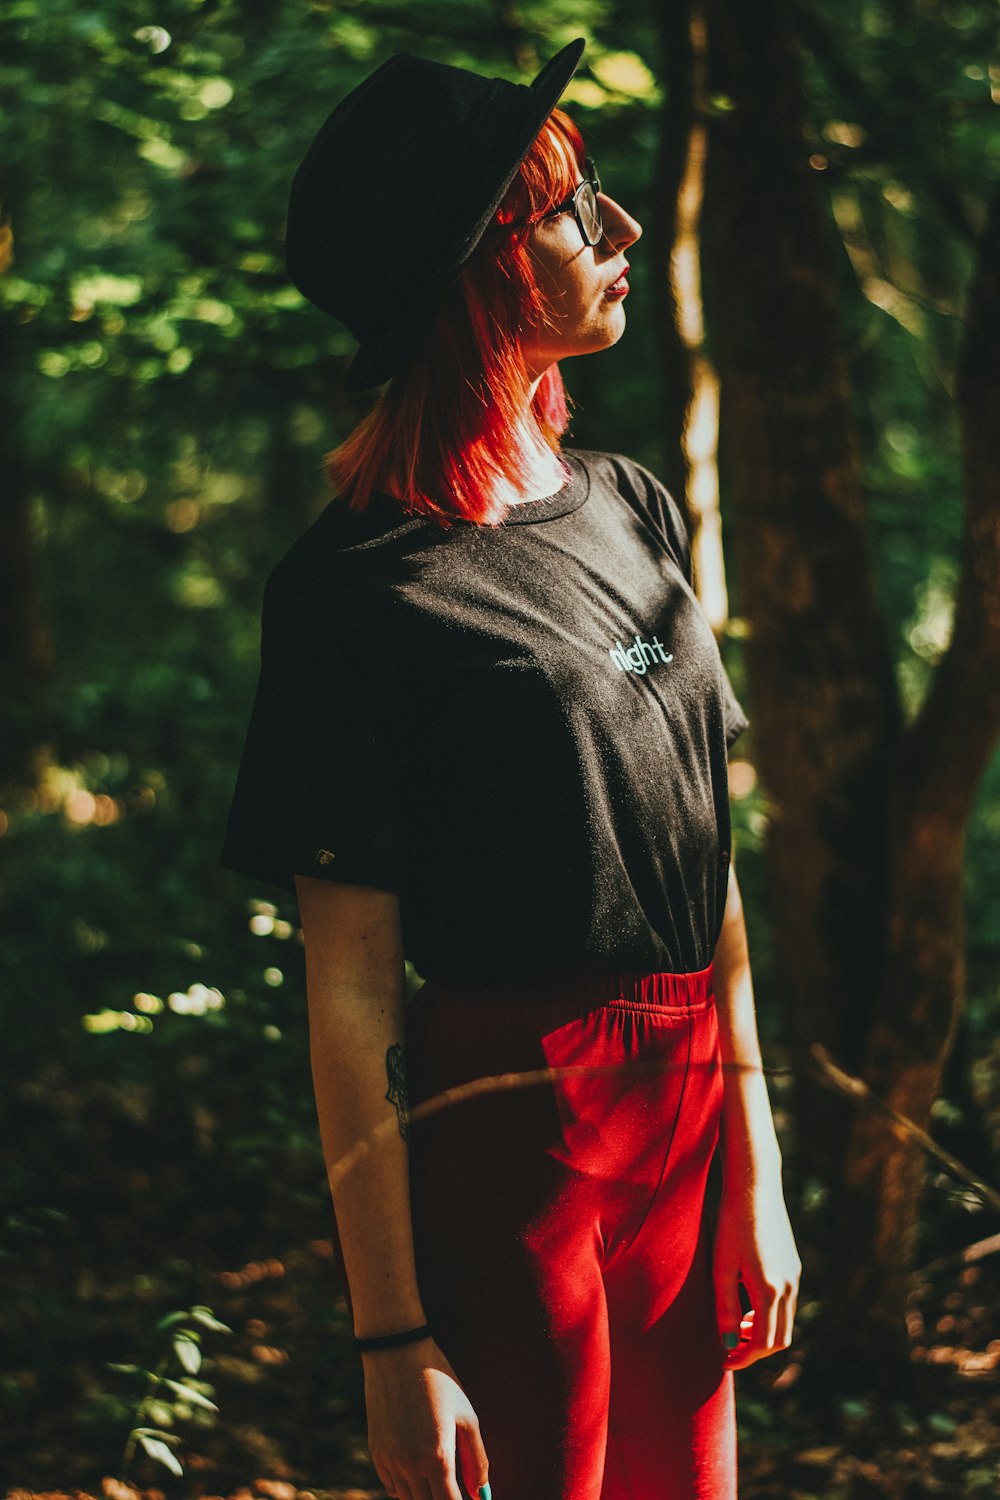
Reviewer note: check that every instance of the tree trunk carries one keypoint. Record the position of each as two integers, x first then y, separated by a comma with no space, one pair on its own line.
940,763
867,823
826,712
26,652
675,125
687,375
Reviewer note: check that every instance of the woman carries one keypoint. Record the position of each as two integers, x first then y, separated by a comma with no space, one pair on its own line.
490,733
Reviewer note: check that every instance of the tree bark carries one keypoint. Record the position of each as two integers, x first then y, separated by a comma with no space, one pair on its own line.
676,119
936,773
867,824
826,711
687,376
26,650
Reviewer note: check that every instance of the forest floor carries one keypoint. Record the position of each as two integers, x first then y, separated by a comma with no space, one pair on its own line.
290,1422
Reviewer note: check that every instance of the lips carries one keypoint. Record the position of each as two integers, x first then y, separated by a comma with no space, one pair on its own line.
619,281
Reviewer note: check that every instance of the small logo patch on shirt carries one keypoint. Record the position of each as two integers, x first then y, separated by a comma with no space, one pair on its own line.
636,658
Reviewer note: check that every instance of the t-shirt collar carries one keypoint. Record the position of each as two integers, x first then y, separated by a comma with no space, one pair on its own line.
570,497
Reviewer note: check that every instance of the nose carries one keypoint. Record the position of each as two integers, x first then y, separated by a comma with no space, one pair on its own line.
620,229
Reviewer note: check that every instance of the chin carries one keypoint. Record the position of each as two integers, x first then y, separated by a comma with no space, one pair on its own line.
614,334
592,343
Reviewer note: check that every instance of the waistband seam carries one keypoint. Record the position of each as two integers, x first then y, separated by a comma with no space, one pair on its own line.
657,1007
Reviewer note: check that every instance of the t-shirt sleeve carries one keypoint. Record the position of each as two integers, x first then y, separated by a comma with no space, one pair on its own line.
669,520
313,786
732,711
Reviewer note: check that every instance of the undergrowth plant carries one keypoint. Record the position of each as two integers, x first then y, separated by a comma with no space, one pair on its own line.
167,1400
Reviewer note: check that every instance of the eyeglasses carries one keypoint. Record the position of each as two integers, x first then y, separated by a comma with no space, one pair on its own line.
584,205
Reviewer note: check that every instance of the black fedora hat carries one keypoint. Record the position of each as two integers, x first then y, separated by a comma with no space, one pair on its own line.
397,189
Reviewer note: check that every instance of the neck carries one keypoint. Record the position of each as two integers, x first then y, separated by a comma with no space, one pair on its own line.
545,473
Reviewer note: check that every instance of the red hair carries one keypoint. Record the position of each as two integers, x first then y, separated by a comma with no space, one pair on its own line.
451,422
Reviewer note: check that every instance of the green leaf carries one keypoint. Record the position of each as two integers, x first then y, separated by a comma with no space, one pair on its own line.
203,1315
165,1437
158,1450
188,1353
195,1397
170,1320
126,1369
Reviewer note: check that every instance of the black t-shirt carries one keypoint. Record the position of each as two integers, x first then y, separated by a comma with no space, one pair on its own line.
521,729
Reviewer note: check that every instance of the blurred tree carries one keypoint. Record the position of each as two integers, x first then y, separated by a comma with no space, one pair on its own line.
688,377
866,819
936,772
25,642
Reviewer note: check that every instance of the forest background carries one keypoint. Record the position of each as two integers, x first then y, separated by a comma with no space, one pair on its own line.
812,365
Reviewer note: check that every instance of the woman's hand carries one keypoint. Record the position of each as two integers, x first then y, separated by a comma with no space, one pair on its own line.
754,1244
422,1431
753,1240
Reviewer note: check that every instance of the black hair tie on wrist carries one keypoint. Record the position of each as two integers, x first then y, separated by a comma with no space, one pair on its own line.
392,1340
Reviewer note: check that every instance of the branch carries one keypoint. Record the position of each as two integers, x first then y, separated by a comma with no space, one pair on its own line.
977,1251
856,1088
845,1083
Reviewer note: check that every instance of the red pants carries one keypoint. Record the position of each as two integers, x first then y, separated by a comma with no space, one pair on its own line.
563,1231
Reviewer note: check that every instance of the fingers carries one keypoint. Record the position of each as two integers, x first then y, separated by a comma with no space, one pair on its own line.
400,1488
438,1483
442,1484
445,1487
388,1482
766,1328
728,1308
471,1455
386,1479
742,1355
786,1319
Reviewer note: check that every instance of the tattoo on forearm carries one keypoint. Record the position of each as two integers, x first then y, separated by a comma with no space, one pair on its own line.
395,1067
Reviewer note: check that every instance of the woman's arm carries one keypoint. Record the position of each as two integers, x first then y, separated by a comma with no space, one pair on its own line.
355,983
418,1414
753,1237
748,1141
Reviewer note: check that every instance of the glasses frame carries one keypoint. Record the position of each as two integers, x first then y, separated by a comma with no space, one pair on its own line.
572,203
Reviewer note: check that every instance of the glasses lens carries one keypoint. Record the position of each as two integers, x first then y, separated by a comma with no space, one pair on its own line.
590,214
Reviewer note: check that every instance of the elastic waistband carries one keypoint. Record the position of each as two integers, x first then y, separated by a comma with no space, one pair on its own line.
602,986
660,989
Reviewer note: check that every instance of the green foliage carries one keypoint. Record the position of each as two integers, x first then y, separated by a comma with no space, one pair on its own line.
165,1400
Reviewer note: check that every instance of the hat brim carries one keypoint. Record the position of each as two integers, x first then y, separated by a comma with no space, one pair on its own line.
377,360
